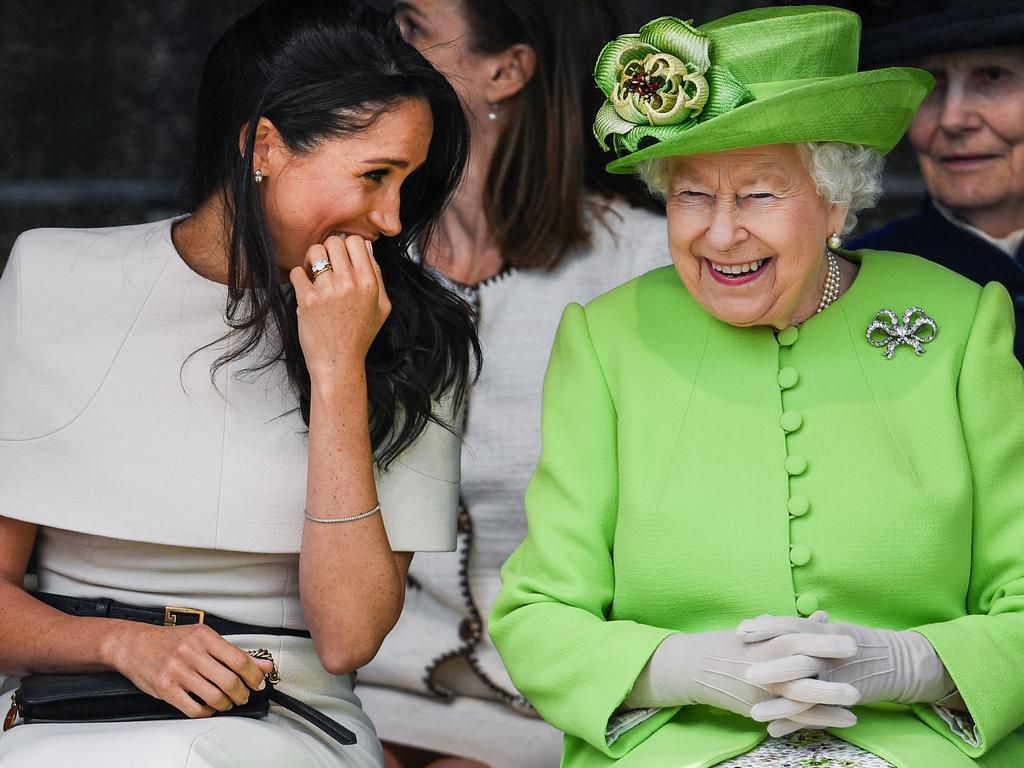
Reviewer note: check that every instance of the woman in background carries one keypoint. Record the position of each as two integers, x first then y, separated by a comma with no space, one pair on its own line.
535,225
968,136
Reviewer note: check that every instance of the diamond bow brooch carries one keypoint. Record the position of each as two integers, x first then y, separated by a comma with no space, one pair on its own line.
887,331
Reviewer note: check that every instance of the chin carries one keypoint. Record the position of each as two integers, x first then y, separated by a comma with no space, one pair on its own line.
739,317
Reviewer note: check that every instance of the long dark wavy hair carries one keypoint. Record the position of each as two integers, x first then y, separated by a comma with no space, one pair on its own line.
321,69
538,183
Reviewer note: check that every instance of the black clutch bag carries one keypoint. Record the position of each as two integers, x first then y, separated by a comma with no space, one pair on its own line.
100,697
103,697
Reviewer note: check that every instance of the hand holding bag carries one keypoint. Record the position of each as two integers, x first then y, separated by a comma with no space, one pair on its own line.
100,697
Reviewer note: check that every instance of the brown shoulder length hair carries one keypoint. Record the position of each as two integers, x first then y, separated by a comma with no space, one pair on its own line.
548,162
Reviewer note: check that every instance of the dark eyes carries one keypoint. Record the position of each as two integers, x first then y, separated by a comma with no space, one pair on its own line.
993,74
376,176
408,27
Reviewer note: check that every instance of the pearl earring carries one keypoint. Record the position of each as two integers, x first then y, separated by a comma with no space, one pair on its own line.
835,242
258,176
493,114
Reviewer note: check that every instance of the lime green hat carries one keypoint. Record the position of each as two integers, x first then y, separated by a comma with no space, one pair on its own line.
765,76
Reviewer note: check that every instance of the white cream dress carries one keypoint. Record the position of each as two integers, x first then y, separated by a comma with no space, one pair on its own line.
155,485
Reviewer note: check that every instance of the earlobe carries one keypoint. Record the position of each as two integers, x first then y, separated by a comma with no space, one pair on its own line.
837,218
267,140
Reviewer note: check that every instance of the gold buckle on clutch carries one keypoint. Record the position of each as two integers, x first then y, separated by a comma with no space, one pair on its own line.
172,613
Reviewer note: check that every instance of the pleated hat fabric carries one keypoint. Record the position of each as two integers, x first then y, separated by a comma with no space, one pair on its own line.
796,70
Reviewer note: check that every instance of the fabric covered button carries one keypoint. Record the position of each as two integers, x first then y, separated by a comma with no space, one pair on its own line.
788,377
798,506
806,604
787,336
790,421
795,465
799,554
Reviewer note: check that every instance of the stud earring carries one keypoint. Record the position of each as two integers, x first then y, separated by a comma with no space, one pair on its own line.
258,176
493,114
835,242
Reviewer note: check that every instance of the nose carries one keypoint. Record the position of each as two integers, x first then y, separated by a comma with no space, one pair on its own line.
385,214
959,112
724,230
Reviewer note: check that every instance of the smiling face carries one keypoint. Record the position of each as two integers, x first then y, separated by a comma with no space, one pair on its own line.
969,136
346,185
747,233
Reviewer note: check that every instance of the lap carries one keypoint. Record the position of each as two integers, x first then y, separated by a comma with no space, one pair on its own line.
806,748
222,742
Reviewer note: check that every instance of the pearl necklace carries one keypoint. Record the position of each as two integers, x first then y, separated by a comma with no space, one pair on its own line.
831,290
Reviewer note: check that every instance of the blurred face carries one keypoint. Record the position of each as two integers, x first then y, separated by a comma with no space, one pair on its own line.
439,30
348,185
969,136
747,233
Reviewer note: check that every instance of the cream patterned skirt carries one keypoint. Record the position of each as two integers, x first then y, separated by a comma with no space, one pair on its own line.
806,749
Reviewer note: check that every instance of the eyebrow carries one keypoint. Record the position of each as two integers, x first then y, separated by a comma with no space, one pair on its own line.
387,161
407,7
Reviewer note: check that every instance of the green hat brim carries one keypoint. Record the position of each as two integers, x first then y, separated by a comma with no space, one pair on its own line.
872,108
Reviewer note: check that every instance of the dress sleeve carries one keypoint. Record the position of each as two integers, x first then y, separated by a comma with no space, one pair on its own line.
983,651
419,491
550,619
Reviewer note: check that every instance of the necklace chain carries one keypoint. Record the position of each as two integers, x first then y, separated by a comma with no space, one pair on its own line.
831,290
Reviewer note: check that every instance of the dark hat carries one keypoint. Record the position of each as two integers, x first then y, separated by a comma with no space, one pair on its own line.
897,30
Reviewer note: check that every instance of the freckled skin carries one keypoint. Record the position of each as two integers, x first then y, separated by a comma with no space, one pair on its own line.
969,136
742,205
337,188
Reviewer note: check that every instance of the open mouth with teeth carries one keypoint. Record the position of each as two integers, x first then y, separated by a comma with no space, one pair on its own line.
734,274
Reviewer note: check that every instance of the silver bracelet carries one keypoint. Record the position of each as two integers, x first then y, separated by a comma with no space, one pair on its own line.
305,513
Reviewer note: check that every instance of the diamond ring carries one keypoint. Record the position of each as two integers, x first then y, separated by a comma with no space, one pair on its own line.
319,267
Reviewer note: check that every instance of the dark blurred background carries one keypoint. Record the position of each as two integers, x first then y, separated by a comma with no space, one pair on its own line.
96,99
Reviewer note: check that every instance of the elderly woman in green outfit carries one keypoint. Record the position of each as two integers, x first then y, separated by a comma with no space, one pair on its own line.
783,482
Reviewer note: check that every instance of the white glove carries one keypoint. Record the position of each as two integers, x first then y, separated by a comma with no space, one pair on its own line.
708,668
888,665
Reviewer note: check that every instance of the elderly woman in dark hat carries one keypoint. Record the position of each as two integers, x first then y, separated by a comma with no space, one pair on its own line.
783,482
968,136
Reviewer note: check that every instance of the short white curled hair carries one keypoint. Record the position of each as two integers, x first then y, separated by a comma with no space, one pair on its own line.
843,174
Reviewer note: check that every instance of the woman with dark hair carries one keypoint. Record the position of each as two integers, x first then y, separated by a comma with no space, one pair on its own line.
536,224
249,411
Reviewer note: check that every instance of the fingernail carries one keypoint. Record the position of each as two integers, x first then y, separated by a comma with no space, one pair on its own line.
262,685
369,246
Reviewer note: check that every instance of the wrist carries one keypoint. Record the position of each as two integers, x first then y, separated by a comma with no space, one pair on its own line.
112,644
928,680
328,385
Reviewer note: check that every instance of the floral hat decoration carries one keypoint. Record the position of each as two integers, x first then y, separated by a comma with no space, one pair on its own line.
766,76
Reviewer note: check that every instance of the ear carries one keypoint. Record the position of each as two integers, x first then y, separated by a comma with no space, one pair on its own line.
837,218
267,146
511,70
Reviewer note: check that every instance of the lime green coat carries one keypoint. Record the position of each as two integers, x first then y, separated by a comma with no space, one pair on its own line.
695,474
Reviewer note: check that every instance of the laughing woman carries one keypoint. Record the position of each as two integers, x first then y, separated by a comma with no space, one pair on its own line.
781,482
246,411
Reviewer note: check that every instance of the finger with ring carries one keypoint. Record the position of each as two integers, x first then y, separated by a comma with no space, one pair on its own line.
320,266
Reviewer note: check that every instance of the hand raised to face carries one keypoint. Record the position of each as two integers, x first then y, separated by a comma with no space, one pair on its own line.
341,307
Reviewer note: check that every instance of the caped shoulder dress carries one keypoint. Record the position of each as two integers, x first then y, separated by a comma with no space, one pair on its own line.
155,483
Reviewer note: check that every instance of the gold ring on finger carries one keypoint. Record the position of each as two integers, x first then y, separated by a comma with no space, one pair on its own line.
319,267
